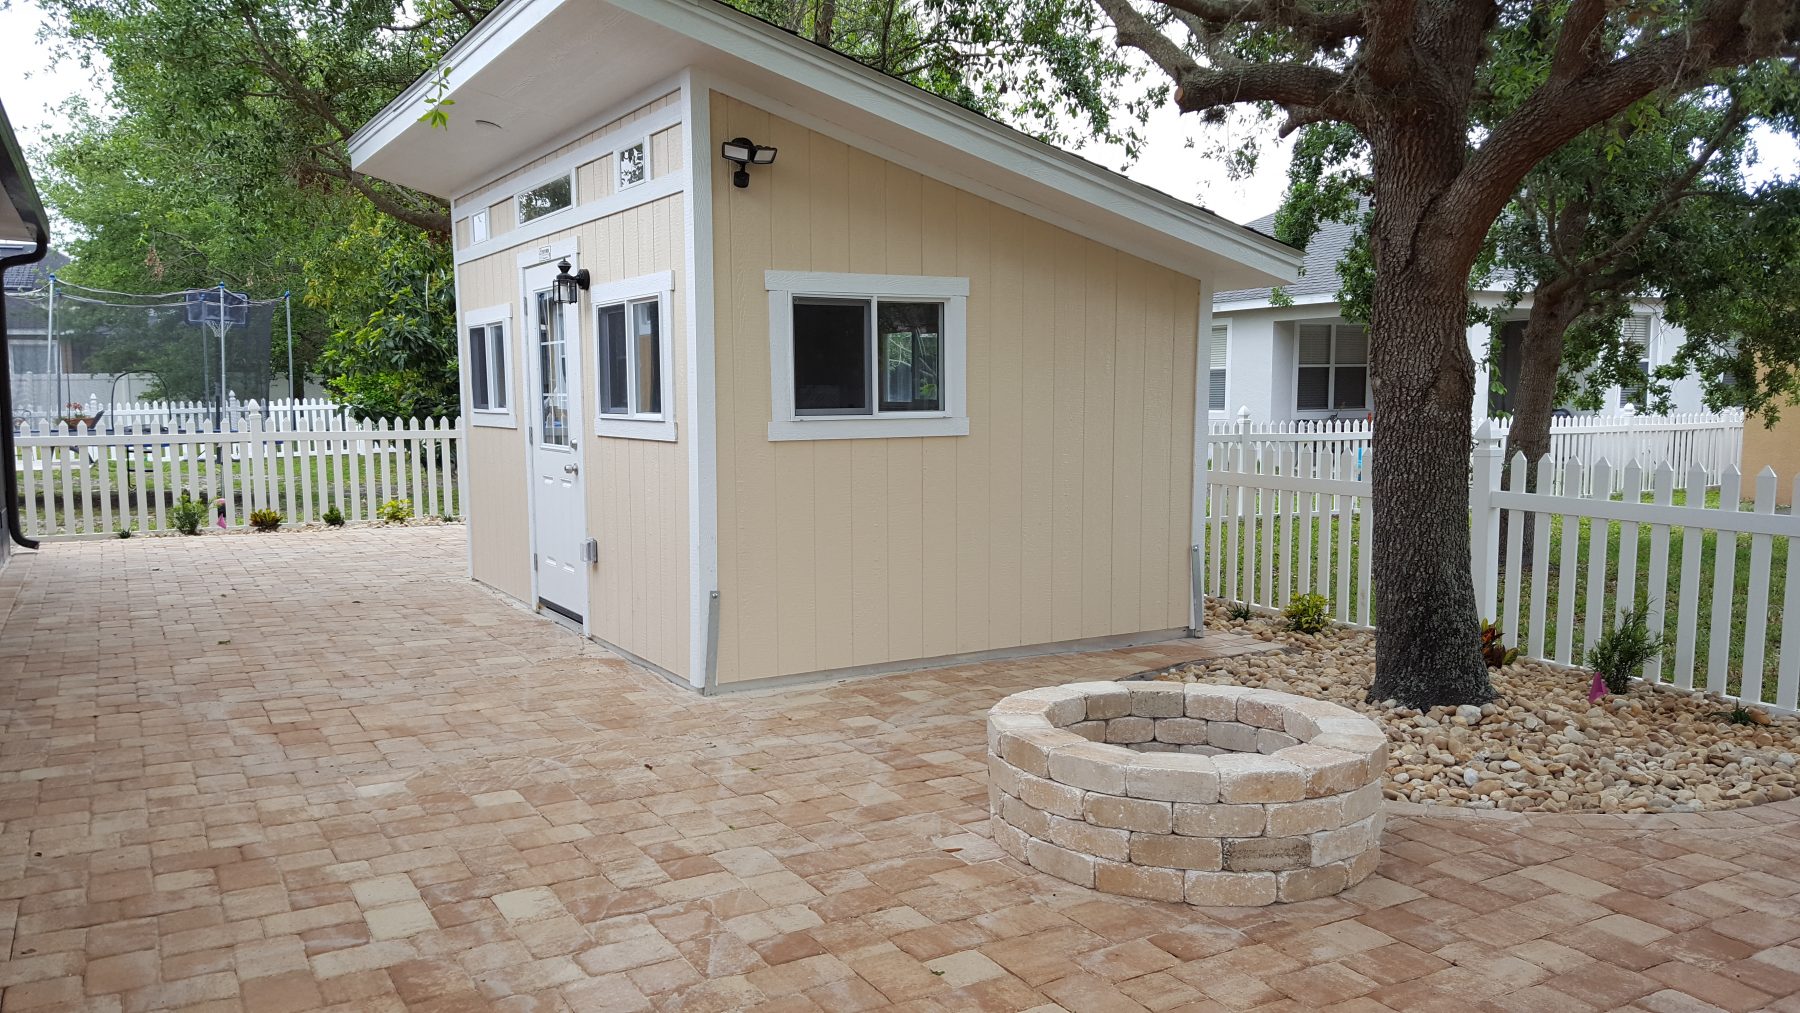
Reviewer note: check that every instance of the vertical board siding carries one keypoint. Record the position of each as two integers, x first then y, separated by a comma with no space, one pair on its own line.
1062,515
637,490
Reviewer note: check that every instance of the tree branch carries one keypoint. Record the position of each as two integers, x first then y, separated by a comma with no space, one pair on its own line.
1579,45
1312,28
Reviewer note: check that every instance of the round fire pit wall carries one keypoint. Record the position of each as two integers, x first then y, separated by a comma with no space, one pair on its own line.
1215,795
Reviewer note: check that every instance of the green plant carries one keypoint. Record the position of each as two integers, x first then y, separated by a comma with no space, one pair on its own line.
265,519
1493,651
124,532
188,515
1623,650
395,511
1308,613
1240,612
334,517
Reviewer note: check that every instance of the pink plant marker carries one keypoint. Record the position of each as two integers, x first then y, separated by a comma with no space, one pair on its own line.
1597,688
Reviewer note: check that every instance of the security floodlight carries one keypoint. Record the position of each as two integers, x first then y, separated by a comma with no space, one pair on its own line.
743,152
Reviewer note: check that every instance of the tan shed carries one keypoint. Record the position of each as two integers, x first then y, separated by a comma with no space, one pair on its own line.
907,385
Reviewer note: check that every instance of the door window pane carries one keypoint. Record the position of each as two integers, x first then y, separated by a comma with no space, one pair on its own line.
911,356
478,369
614,367
831,349
553,374
647,342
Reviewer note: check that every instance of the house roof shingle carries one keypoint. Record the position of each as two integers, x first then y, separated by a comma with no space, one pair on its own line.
28,276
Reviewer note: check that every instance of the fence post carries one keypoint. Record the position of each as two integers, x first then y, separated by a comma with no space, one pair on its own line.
1484,521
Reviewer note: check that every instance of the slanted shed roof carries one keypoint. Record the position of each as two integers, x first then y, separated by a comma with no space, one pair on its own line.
541,69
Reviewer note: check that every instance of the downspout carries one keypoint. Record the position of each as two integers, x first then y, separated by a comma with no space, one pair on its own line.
10,479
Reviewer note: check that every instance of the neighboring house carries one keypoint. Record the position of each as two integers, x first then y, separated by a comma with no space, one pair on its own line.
910,386
1303,361
27,322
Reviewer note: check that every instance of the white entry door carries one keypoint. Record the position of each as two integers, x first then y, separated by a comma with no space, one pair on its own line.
558,501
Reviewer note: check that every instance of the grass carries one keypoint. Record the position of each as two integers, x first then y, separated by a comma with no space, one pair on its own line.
1644,590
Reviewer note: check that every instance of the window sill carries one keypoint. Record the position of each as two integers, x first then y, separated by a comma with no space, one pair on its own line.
493,420
841,428
661,430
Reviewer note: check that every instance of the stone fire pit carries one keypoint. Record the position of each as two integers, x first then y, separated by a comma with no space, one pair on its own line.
1215,795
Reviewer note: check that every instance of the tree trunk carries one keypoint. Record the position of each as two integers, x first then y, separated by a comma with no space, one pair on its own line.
1554,306
1428,644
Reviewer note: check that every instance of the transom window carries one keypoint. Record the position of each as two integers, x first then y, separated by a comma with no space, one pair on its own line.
633,164
546,198
867,355
478,226
1333,372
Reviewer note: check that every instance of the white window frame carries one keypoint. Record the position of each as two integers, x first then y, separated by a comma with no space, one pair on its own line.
786,424
478,227
574,197
619,165
490,316
640,426
1333,366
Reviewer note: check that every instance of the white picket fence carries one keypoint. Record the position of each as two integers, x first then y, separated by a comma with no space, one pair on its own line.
1281,523
1712,441
76,483
185,416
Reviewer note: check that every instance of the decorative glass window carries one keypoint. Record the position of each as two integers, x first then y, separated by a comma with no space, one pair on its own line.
1333,371
488,358
633,164
1215,381
478,226
866,355
546,198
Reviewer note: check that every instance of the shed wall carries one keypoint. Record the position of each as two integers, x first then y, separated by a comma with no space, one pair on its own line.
1063,515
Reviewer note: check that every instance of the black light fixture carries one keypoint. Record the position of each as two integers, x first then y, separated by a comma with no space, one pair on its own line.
744,153
570,286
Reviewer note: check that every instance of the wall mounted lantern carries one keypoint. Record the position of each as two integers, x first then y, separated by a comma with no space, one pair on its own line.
744,153
570,286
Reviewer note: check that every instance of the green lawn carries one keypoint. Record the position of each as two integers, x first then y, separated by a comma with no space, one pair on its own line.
1666,593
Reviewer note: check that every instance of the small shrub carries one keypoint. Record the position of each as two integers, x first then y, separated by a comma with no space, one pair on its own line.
188,515
265,520
1240,612
1308,613
1622,651
124,532
395,511
1493,651
334,518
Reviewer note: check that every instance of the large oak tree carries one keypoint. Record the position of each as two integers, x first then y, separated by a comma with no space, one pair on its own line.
1408,76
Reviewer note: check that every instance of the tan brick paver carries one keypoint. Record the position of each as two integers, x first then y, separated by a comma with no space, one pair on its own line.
326,770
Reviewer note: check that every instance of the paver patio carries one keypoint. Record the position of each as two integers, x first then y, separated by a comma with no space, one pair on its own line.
308,770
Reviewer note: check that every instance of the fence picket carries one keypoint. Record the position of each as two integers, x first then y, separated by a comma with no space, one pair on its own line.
1568,571
1344,511
1656,598
1724,576
354,464
1687,616
1756,609
1787,665
1285,519
1540,559
1600,481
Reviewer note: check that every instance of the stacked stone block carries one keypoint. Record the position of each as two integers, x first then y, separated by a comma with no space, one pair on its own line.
1213,795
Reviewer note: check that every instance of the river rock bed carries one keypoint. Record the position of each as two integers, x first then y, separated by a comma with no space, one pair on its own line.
1540,746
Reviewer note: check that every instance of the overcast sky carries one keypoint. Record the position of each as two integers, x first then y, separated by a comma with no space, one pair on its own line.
31,89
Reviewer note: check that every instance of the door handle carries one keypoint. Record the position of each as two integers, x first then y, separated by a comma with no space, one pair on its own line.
571,469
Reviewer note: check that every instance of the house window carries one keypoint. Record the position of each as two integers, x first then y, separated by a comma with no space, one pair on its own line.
1635,335
1215,389
489,359
867,356
546,198
633,164
478,226
1333,368
635,359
